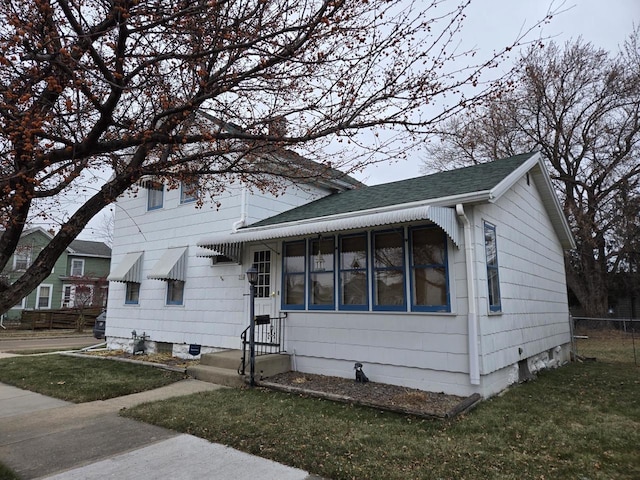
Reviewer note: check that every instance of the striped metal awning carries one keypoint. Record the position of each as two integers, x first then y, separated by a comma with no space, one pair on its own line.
128,270
444,217
171,266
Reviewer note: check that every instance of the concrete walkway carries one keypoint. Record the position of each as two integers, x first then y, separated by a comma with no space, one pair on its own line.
42,437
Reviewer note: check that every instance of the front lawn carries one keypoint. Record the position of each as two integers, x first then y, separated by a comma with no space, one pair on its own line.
581,421
81,380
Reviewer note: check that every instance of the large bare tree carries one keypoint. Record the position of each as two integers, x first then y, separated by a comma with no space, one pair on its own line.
219,88
579,106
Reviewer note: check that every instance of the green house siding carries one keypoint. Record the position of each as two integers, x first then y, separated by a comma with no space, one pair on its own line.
33,242
93,267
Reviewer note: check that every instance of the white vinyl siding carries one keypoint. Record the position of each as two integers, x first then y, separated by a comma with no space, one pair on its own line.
533,291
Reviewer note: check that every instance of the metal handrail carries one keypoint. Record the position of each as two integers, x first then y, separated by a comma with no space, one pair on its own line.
268,338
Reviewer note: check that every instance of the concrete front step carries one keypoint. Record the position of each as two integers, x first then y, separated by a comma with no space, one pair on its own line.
221,367
229,359
219,376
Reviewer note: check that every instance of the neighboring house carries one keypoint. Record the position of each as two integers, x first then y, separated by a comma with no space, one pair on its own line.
452,282
79,275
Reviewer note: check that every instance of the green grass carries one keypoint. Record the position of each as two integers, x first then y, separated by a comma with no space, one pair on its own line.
609,345
81,380
7,474
581,421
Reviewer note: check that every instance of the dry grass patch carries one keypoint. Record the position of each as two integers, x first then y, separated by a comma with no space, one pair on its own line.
581,421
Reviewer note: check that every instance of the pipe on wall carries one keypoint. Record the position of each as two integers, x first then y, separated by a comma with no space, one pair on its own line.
472,316
243,211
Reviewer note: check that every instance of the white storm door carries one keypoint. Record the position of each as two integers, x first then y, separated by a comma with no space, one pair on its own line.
264,260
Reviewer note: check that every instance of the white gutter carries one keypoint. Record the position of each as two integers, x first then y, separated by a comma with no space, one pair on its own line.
472,316
243,211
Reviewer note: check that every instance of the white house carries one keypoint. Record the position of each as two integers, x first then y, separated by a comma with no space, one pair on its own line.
452,282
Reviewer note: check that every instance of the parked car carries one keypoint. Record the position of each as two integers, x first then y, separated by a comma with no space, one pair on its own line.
100,325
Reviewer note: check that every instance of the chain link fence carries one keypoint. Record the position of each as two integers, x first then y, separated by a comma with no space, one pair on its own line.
607,339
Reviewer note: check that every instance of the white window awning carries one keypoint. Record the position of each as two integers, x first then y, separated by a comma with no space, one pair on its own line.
444,217
128,270
171,266
232,251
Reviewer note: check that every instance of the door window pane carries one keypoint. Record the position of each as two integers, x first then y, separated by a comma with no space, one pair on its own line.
262,262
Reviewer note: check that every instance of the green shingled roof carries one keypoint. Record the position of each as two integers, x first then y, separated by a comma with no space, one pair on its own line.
476,178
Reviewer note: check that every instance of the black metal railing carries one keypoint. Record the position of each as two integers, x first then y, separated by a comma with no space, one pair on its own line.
268,338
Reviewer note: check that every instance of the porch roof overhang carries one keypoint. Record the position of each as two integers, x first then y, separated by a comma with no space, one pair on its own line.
444,217
128,270
171,266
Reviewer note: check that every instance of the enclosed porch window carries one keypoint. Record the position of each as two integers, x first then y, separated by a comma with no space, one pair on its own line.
404,269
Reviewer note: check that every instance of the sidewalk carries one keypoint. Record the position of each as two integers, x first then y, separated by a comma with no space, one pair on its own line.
46,438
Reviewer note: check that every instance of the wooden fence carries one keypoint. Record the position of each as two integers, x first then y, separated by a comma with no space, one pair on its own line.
64,318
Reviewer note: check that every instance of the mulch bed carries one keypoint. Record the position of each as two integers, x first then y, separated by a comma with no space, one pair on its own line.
378,395
371,394
154,358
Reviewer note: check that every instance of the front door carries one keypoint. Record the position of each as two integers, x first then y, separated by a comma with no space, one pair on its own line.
264,261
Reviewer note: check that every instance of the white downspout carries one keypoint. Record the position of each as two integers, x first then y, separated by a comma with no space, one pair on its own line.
472,316
243,211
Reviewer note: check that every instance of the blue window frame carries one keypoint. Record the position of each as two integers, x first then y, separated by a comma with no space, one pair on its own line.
188,192
389,270
132,295
155,196
353,282
493,279
293,275
429,272
175,292
321,274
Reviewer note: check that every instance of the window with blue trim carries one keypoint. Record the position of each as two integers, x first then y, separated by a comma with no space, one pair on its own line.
354,292
493,280
155,195
429,275
175,292
321,273
188,191
293,277
388,271
132,295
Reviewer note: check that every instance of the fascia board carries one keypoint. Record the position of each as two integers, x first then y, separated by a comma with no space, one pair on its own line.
511,179
542,180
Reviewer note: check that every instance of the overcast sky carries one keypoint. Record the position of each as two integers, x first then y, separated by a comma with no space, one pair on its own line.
492,24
